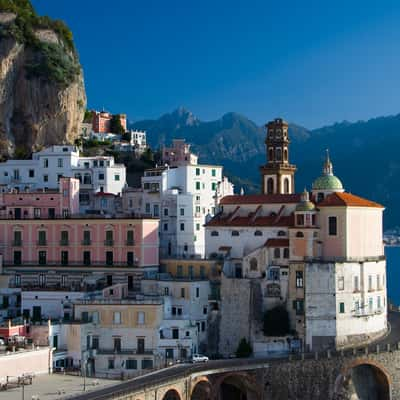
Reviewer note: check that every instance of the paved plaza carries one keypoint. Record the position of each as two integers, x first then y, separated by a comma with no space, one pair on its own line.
52,387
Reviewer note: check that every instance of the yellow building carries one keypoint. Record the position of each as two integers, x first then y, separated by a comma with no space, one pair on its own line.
192,268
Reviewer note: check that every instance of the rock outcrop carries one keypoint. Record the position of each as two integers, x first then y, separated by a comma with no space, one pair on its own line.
36,108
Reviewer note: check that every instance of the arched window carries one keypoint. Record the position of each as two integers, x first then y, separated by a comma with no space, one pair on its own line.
299,235
87,179
235,233
286,252
279,154
286,185
285,155
258,233
270,186
277,252
270,154
281,233
214,233
320,197
253,264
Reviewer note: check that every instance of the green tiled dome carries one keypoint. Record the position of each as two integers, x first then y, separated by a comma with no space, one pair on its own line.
305,206
327,182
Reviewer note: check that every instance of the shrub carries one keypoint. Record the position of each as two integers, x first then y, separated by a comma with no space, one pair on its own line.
244,349
276,322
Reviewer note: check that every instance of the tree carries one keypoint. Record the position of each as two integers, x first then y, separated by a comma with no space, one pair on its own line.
127,136
116,126
244,349
276,322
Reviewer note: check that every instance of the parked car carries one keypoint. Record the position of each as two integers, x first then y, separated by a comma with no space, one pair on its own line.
199,358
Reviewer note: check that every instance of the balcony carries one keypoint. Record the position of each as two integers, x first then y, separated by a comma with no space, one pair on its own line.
109,242
129,242
86,242
17,243
41,243
64,242
111,351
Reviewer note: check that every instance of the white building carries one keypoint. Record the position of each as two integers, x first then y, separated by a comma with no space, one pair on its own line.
182,197
96,174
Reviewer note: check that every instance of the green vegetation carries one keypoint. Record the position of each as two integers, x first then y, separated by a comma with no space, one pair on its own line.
244,349
276,322
116,126
88,118
55,62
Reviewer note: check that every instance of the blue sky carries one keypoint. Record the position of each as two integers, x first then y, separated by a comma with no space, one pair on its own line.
311,62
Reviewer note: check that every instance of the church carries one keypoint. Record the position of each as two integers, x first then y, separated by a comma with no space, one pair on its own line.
319,254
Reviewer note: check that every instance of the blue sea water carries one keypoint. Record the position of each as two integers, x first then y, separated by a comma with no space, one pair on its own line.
393,274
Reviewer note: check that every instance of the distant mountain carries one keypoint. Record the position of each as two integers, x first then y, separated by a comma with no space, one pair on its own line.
365,154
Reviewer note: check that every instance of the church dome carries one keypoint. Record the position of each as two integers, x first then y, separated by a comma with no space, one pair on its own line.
327,181
305,206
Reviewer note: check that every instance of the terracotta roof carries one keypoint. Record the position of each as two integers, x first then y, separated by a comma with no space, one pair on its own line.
347,200
261,199
276,242
100,194
219,220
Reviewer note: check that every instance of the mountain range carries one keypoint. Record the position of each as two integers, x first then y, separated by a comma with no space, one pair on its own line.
365,154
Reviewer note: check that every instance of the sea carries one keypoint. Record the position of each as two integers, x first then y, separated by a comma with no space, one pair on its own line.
393,273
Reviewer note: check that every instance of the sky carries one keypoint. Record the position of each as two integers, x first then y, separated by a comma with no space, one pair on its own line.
311,62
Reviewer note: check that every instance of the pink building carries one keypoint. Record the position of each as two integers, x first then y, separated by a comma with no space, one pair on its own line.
178,154
45,204
102,121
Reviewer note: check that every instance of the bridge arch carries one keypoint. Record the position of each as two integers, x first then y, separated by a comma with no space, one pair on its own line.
172,394
201,389
236,386
363,379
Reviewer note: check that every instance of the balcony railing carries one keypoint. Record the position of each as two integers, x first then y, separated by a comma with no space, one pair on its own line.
41,242
64,242
109,242
130,243
86,242
110,351
17,243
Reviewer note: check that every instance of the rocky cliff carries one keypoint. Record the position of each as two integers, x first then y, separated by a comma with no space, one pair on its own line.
42,95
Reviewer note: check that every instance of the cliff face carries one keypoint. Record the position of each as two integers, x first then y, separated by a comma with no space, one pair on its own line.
37,109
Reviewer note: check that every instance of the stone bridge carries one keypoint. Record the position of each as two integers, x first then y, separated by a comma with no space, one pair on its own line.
370,373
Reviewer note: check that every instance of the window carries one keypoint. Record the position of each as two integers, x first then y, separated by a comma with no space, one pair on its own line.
286,252
214,233
31,173
175,333
111,363
197,171
270,186
59,162
117,317
378,302
197,185
64,238
197,292
183,292
298,305
45,163
213,186
165,227
299,279
370,283
341,308
64,280
165,212
59,176
101,163
17,257
86,257
182,212
204,310
258,233
17,238
299,234
101,176
41,238
341,283
109,238
235,233
300,219
281,233
130,258
277,252
95,342
179,271
378,282
42,257
182,226
370,304
147,208
116,177
109,258
64,258
131,364
147,364
203,326
140,318
356,284
42,280
286,181
213,172
197,227
357,306
273,274
332,226
253,264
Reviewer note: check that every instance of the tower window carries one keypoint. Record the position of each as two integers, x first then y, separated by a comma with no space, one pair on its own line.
258,233
270,186
332,226
286,185
320,197
278,154
285,155
271,154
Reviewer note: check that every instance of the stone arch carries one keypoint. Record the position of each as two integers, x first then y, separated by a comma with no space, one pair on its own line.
363,379
241,385
172,394
201,389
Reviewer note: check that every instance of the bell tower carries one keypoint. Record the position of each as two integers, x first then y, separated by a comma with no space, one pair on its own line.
277,174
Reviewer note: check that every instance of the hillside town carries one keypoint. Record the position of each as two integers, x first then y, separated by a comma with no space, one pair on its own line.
111,281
